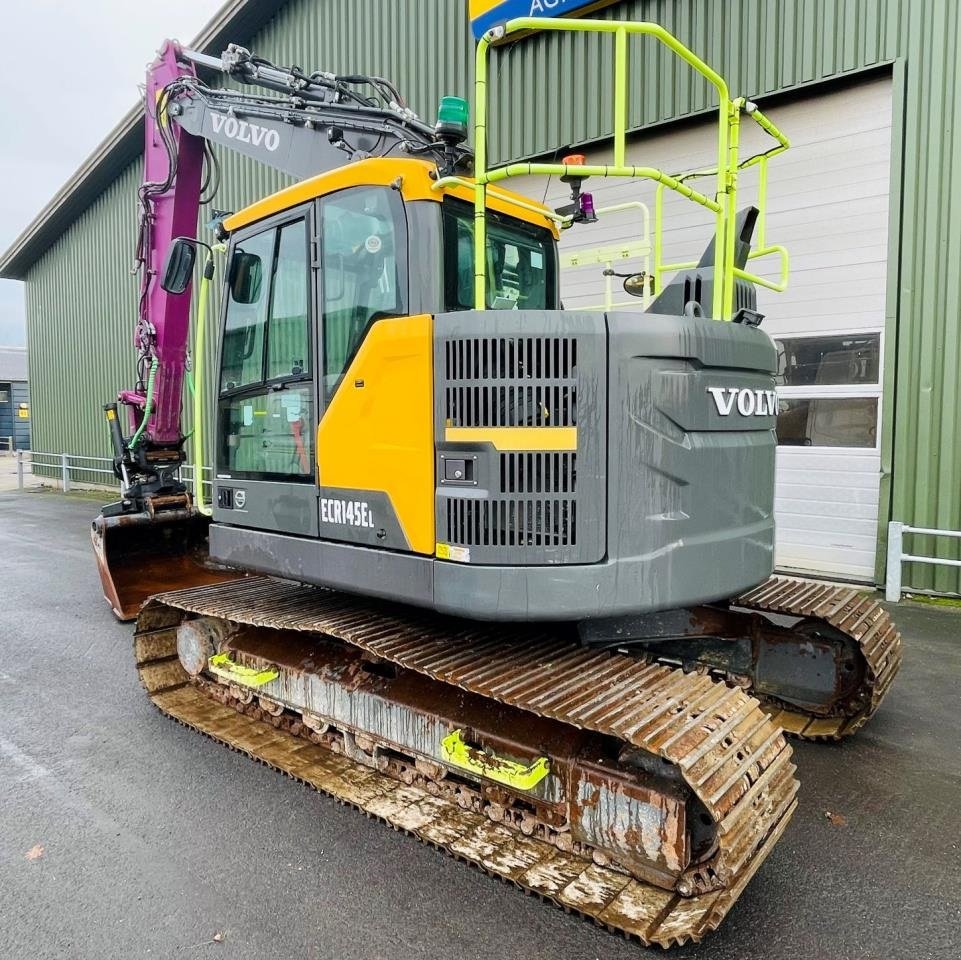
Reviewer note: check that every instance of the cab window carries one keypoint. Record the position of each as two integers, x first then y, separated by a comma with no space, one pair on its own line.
247,300
363,268
266,394
288,331
521,266
267,296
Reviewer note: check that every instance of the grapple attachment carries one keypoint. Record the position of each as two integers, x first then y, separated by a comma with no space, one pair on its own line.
140,554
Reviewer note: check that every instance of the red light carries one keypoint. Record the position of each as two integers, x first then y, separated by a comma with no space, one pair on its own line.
574,160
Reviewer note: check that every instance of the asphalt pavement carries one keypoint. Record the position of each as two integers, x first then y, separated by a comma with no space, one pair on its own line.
157,842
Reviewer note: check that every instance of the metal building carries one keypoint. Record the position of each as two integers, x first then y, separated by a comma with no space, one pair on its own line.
14,399
865,201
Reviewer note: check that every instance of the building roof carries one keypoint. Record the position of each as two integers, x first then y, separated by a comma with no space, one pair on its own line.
235,22
13,364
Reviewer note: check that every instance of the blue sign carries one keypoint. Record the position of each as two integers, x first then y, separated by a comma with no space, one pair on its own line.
485,14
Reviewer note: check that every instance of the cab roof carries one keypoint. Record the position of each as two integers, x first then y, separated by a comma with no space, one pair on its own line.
416,180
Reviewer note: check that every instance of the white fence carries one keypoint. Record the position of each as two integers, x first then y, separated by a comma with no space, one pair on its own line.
67,466
897,556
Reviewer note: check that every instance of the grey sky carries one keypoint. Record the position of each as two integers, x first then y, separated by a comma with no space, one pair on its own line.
69,72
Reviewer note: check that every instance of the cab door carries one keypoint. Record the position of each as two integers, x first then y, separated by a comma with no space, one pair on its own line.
375,440
266,459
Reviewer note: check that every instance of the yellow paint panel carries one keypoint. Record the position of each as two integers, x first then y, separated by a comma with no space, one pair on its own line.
516,438
417,184
380,436
480,7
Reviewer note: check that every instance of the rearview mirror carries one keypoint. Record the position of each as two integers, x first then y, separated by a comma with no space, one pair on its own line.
635,284
246,276
179,266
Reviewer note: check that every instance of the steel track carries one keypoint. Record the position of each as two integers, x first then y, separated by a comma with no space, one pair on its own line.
729,753
853,614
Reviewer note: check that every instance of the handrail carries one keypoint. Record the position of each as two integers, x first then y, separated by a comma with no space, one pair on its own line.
67,463
760,160
897,557
613,253
723,204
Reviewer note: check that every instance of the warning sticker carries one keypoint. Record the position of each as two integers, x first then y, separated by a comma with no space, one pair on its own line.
446,551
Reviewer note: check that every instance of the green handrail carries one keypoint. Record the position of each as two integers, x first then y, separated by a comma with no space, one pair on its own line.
200,349
723,204
762,249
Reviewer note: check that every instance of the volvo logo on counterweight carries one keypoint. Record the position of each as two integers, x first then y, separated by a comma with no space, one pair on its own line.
747,402
245,132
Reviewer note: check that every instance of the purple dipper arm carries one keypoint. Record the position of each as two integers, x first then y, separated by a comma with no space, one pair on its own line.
164,322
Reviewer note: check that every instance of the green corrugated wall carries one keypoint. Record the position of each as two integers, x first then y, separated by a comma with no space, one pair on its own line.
550,92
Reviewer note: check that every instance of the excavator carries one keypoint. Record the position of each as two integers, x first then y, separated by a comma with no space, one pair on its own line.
493,571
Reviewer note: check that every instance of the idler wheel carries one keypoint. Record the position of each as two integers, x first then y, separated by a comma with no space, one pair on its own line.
198,640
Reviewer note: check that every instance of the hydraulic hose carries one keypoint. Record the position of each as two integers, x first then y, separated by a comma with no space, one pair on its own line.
148,404
198,391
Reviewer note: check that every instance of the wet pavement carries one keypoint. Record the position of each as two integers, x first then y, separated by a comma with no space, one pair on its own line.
156,840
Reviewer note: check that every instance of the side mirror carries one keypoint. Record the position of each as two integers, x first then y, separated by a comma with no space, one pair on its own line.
635,284
246,276
179,266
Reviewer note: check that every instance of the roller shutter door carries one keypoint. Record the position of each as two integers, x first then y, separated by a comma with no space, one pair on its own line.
828,204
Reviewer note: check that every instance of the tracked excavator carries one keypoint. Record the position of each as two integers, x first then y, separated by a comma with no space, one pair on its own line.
495,572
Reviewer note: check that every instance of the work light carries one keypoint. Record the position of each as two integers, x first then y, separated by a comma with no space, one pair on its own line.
452,117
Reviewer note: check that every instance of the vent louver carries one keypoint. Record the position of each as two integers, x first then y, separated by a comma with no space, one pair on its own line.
511,382
523,371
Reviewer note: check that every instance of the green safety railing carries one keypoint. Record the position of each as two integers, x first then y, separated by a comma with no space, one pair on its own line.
617,253
724,202
762,249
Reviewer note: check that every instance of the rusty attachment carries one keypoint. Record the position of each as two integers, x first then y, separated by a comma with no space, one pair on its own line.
140,554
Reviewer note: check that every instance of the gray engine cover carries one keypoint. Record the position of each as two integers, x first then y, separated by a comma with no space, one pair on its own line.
689,464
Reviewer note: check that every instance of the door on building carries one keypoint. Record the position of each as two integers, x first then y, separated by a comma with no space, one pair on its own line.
6,416
828,204
829,461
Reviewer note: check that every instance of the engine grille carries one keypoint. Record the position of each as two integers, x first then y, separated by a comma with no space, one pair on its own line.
537,472
511,381
512,523
526,505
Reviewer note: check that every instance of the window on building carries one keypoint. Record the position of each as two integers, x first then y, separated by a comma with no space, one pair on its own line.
828,422
266,407
520,262
829,361
829,390
4,392
364,270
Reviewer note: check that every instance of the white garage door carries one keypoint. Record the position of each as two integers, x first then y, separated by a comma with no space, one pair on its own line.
828,204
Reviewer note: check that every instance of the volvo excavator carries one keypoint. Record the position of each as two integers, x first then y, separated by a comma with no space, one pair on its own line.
495,572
